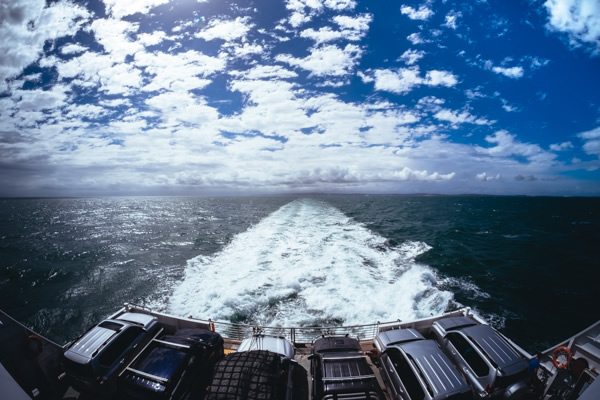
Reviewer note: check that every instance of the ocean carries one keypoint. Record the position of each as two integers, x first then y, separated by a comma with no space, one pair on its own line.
528,265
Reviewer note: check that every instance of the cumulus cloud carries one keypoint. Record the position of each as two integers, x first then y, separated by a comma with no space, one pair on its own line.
72,48
407,174
592,141
506,145
579,19
484,177
416,38
265,72
403,80
350,28
303,11
422,14
26,25
328,60
451,19
512,72
456,117
117,37
411,56
227,30
120,9
561,146
323,35
233,104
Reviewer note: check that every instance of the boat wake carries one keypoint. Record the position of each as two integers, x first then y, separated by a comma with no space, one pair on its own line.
309,264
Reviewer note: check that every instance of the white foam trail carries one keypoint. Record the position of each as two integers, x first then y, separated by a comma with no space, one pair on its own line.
305,264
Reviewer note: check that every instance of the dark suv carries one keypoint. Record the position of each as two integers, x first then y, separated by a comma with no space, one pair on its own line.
416,368
173,366
340,370
491,364
94,360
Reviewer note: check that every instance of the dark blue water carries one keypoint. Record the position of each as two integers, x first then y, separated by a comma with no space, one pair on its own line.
528,265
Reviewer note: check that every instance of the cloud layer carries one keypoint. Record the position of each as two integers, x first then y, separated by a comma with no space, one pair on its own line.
179,97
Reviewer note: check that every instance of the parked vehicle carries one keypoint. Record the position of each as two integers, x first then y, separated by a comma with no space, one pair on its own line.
416,368
173,366
94,360
340,370
490,363
263,368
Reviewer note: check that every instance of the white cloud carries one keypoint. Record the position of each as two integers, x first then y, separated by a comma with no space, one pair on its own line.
365,78
227,30
592,134
265,72
512,72
247,49
579,19
120,79
177,107
116,37
440,78
72,48
152,39
456,117
38,100
327,60
411,56
27,24
400,81
352,28
416,38
508,107
487,178
403,80
592,141
303,11
86,66
173,71
340,5
407,174
561,146
323,35
422,14
451,19
515,72
506,145
119,8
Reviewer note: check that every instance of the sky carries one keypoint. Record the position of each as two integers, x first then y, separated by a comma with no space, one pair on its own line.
209,97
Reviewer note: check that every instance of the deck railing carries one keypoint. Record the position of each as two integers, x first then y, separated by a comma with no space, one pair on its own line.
297,335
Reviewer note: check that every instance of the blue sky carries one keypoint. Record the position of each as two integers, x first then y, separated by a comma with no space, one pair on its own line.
188,97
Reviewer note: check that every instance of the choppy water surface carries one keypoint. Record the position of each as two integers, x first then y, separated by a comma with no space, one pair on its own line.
528,265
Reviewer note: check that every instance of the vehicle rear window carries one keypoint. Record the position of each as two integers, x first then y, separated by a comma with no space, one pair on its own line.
406,374
116,348
111,325
469,354
161,360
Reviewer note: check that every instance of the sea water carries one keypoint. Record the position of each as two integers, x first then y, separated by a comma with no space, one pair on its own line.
527,265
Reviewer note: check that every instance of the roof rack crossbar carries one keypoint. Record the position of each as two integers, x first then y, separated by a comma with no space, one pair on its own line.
347,378
183,346
147,375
